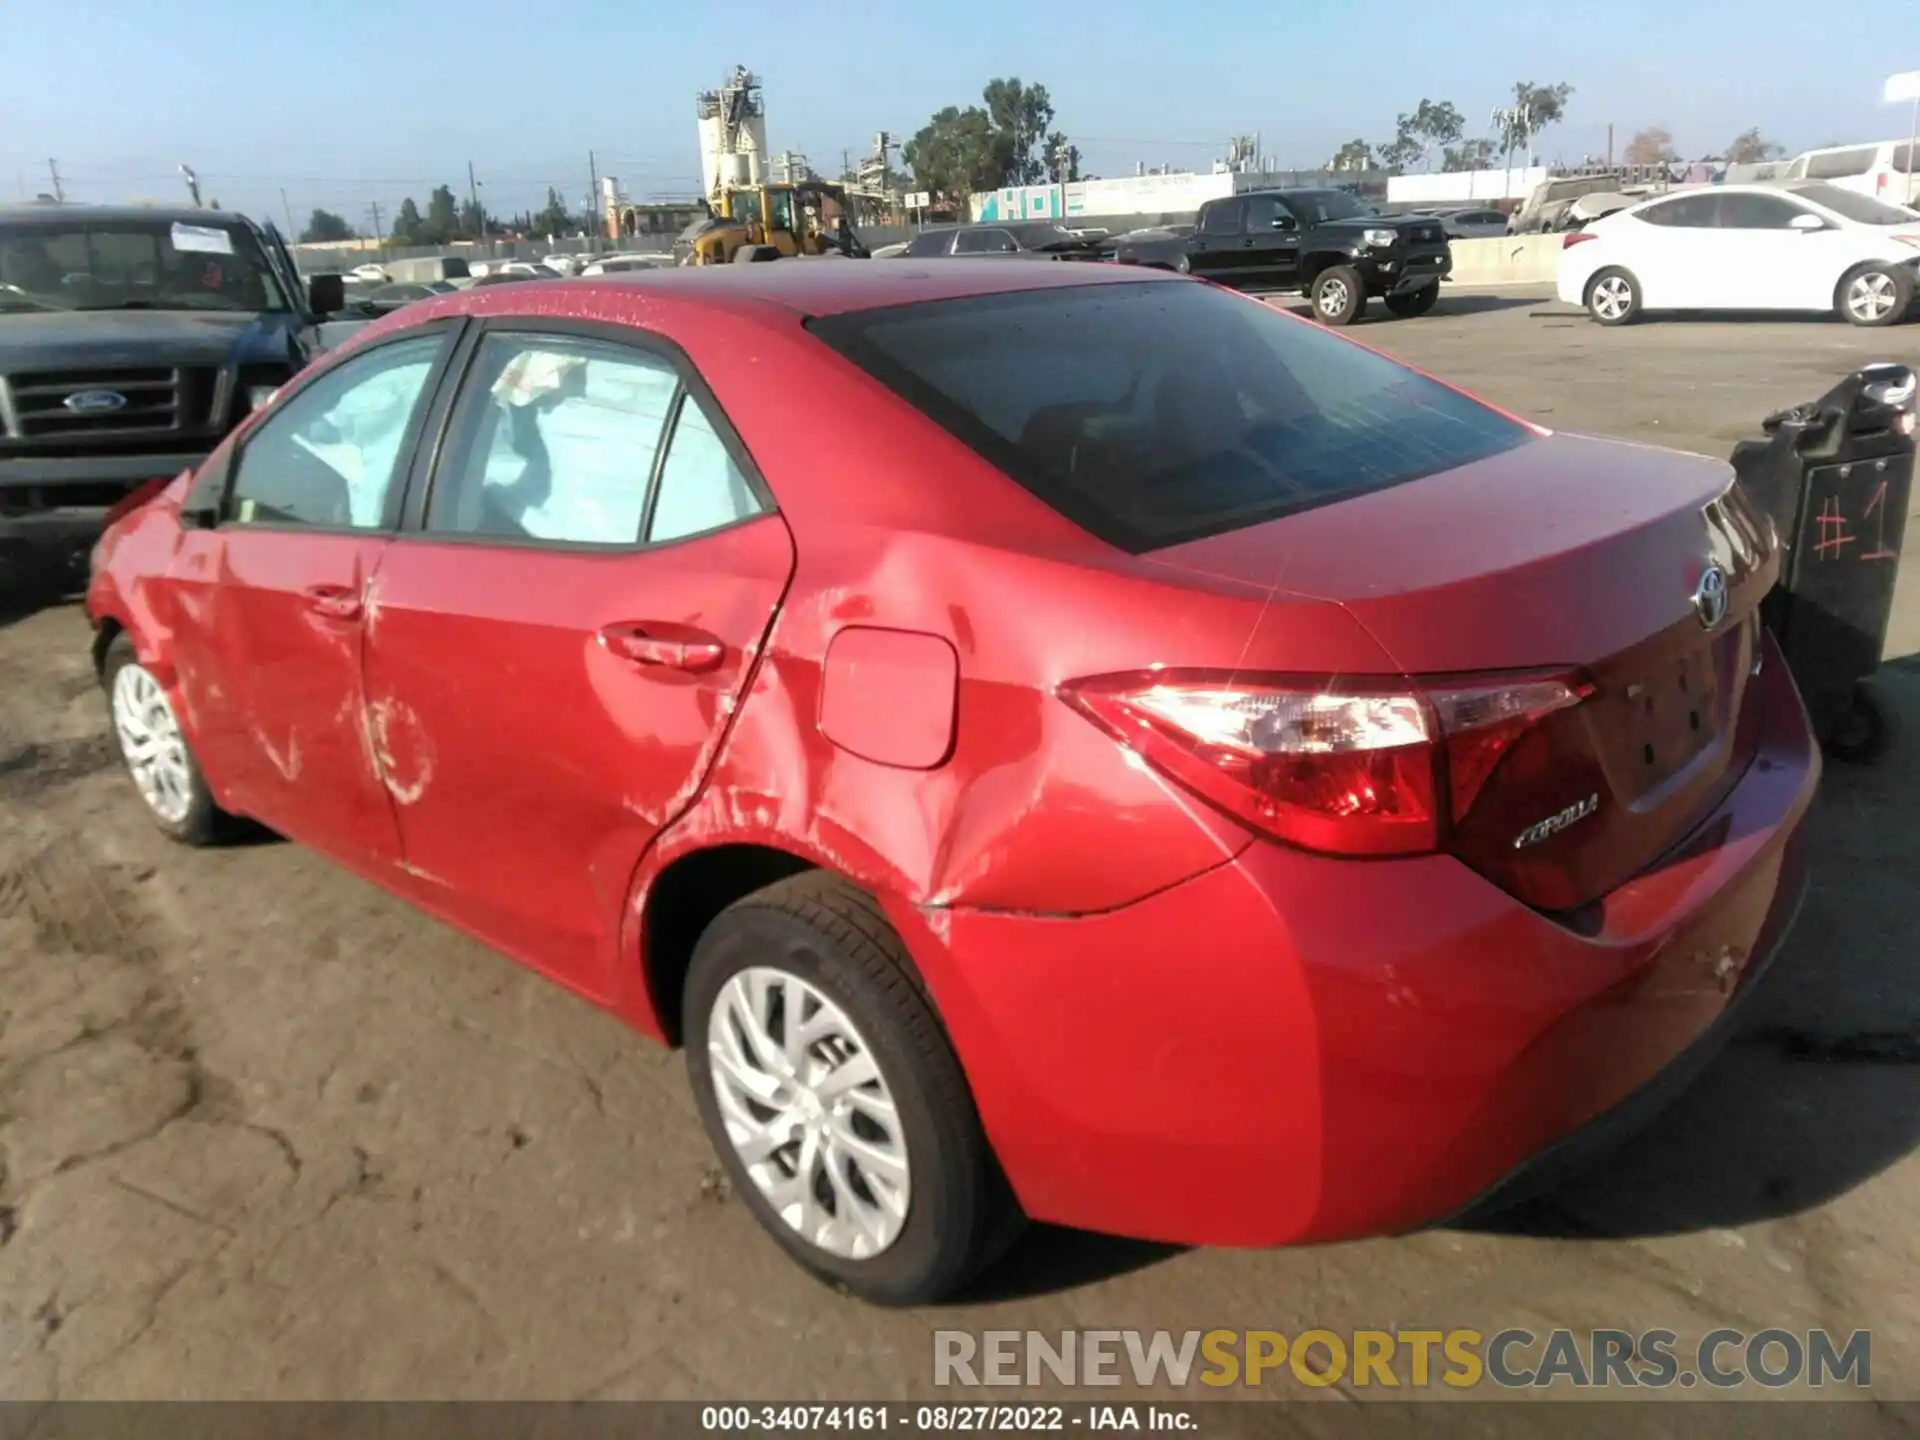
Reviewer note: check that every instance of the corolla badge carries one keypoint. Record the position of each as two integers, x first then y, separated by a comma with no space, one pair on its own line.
1554,824
95,402
1710,597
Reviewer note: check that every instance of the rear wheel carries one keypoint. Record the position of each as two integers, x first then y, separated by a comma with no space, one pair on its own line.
154,749
834,1099
1865,731
1338,295
1613,297
1409,304
1875,295
754,254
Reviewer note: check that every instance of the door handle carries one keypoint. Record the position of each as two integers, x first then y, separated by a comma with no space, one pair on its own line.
1248,242
669,647
336,602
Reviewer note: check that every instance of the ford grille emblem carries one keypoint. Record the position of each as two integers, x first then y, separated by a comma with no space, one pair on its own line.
95,402
1710,598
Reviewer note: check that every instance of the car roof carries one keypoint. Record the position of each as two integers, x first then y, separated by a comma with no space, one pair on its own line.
67,214
837,287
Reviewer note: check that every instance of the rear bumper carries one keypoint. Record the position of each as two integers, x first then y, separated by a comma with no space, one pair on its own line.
1292,1048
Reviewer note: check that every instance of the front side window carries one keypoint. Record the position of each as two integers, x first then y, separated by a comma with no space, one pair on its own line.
1264,212
930,243
135,265
328,456
983,242
1320,206
1155,413
555,440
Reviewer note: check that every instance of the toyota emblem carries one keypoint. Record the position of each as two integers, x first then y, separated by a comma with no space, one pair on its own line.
1710,598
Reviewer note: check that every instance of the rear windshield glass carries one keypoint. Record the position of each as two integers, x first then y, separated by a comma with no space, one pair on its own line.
1160,412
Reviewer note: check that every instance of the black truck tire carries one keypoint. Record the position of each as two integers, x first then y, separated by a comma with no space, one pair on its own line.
1338,294
1410,304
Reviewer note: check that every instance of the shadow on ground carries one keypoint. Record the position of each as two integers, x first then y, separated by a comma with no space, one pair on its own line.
1470,302
1820,1089
1049,1258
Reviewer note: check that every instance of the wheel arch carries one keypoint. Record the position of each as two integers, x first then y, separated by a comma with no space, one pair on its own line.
1314,262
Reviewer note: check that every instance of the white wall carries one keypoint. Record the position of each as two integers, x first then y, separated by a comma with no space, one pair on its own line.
1128,195
1465,185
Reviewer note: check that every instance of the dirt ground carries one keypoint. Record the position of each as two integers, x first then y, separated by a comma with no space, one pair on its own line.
268,1133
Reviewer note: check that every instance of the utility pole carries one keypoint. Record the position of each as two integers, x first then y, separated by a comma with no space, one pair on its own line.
1609,145
379,235
59,190
473,194
594,207
288,209
193,185
846,166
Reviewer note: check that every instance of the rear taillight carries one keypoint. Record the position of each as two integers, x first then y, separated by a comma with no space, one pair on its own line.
1576,237
1346,767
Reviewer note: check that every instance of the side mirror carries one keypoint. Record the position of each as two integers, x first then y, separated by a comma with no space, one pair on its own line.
1806,224
326,295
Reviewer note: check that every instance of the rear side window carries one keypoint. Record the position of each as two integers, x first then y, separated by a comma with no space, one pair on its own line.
1160,412
1689,212
1839,164
932,242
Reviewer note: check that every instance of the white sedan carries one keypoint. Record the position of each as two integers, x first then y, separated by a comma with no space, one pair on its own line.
1802,245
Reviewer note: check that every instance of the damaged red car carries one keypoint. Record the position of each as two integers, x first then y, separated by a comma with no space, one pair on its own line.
1052,742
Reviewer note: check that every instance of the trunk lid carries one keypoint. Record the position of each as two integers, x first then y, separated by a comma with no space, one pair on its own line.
1564,554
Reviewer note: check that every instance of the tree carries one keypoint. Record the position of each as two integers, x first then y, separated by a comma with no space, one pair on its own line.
1022,114
473,219
555,219
1354,155
1652,146
1432,126
1534,108
1397,154
324,226
958,152
1469,155
407,224
443,216
1749,148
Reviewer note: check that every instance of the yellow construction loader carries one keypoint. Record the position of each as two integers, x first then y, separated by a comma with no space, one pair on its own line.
772,222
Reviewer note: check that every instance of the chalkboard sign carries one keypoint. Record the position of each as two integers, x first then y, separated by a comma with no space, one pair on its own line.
1845,557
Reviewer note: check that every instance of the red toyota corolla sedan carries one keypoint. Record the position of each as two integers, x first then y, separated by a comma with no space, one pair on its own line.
1049,741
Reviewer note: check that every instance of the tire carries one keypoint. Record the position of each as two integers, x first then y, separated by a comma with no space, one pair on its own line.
819,941
1338,294
1183,266
1865,731
1411,304
1874,295
1613,297
171,785
755,254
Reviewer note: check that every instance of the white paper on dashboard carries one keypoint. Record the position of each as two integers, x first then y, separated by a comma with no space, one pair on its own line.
202,240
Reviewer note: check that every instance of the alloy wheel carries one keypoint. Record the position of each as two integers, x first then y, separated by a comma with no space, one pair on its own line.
1333,297
809,1113
150,740
1612,298
1871,296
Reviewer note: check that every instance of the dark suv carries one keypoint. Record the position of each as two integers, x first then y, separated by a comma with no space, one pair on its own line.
132,339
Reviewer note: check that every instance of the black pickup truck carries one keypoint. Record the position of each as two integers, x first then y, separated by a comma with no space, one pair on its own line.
1324,243
132,339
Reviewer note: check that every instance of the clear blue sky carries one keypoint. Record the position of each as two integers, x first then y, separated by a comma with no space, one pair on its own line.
369,100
